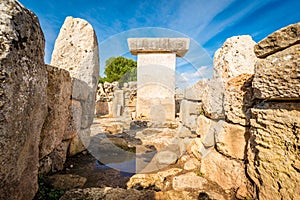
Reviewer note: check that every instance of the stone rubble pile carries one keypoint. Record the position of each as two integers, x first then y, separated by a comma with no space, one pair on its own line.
112,101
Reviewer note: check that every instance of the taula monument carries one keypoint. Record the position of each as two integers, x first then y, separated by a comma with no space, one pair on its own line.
156,62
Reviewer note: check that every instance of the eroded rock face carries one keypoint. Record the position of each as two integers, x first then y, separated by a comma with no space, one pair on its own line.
76,50
225,172
274,150
278,76
23,85
278,41
213,98
59,90
238,98
235,57
231,139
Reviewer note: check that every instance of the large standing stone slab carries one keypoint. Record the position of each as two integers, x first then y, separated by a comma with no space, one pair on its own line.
278,41
23,108
274,150
156,75
76,50
278,76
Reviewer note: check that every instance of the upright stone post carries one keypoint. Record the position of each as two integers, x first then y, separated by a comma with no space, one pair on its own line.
156,61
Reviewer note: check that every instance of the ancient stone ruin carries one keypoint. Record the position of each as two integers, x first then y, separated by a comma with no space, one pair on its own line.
236,137
156,75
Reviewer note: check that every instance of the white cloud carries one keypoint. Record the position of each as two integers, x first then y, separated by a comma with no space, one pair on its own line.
190,78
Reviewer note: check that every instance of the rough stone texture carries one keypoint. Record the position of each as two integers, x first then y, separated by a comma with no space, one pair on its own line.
213,97
118,103
66,181
195,92
159,45
58,100
151,180
278,41
188,113
203,125
188,181
277,77
101,108
76,50
155,93
235,57
225,172
238,98
166,157
191,164
23,85
274,150
55,160
80,142
231,139
107,193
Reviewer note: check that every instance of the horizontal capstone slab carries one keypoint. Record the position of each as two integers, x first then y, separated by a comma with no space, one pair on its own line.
159,45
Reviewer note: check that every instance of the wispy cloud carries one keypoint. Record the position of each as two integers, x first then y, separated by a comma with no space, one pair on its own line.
190,78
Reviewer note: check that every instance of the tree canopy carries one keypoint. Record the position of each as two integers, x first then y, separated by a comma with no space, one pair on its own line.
119,69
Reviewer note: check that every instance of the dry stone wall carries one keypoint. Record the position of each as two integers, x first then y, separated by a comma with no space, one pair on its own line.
223,122
273,151
23,100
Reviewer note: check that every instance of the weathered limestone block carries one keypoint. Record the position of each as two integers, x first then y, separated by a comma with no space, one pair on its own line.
235,57
278,41
278,76
188,113
76,50
59,90
213,97
238,98
188,181
230,139
159,45
225,172
273,152
155,93
195,92
23,108
203,125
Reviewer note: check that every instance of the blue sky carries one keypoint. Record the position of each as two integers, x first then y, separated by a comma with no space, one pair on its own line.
207,22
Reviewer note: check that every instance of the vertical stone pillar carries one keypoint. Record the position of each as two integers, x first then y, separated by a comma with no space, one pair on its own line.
156,75
76,50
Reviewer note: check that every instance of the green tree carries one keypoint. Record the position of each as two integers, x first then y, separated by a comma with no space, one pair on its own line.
119,69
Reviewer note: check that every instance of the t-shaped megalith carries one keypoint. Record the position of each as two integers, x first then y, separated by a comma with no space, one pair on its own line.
156,62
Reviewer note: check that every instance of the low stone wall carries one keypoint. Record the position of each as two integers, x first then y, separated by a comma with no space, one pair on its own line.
274,143
250,114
